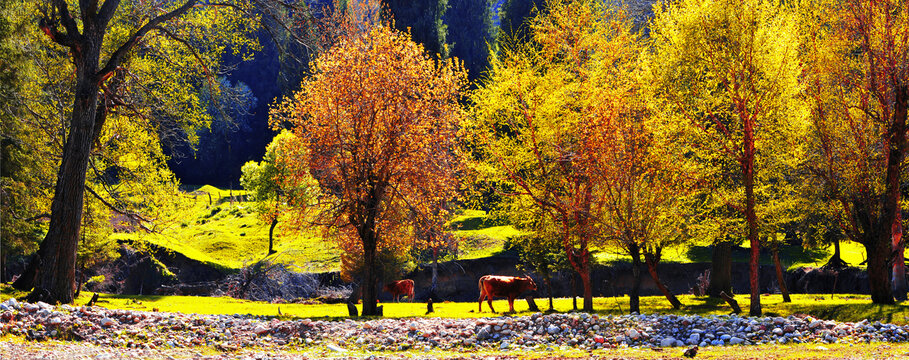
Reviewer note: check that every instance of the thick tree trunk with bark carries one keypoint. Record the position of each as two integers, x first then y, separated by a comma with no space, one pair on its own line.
721,269
369,237
878,243
370,305
271,236
879,272
51,273
652,262
899,262
588,289
634,298
780,280
55,278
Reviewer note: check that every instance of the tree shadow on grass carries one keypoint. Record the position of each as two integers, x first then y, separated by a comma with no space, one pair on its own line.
789,254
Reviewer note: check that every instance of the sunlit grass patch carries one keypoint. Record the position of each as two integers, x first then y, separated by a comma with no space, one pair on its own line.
839,307
791,256
225,232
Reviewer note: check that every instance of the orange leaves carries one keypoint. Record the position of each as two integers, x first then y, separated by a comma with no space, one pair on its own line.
378,122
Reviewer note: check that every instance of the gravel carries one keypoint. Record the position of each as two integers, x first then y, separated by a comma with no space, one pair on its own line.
147,333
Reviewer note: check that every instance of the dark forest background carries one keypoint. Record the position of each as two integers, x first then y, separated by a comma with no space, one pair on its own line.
465,29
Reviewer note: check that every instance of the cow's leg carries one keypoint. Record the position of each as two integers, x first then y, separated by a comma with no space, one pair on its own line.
489,300
481,301
510,304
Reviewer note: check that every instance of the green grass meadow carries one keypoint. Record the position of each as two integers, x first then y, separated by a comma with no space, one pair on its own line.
221,228
839,307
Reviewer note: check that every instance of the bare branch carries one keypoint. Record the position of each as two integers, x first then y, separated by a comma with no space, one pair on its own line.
134,216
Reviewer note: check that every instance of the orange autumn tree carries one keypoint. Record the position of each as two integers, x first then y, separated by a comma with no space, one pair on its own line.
378,123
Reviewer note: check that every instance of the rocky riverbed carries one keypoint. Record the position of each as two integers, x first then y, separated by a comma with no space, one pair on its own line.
142,331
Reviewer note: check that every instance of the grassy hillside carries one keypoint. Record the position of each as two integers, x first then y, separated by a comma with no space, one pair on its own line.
480,236
219,227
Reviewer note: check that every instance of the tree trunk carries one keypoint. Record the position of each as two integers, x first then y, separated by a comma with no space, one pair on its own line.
721,269
56,278
435,272
652,262
588,290
836,260
634,298
751,218
899,263
879,272
548,280
271,238
26,280
780,280
369,280
574,291
879,245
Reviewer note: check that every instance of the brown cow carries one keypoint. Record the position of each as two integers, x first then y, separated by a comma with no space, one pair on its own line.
507,286
400,288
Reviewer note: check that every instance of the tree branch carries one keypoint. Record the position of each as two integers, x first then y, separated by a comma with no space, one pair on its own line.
107,11
117,57
134,216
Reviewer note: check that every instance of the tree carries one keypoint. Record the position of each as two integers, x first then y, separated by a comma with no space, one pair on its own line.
97,56
857,80
536,119
21,200
378,124
644,206
729,71
273,185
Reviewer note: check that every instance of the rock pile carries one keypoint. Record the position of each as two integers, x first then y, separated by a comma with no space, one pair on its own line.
153,330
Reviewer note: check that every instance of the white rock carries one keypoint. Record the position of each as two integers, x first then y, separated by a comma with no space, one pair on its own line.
735,340
45,305
260,329
632,334
337,348
667,342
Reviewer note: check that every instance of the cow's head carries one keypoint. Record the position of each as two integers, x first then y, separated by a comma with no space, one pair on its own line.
529,284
